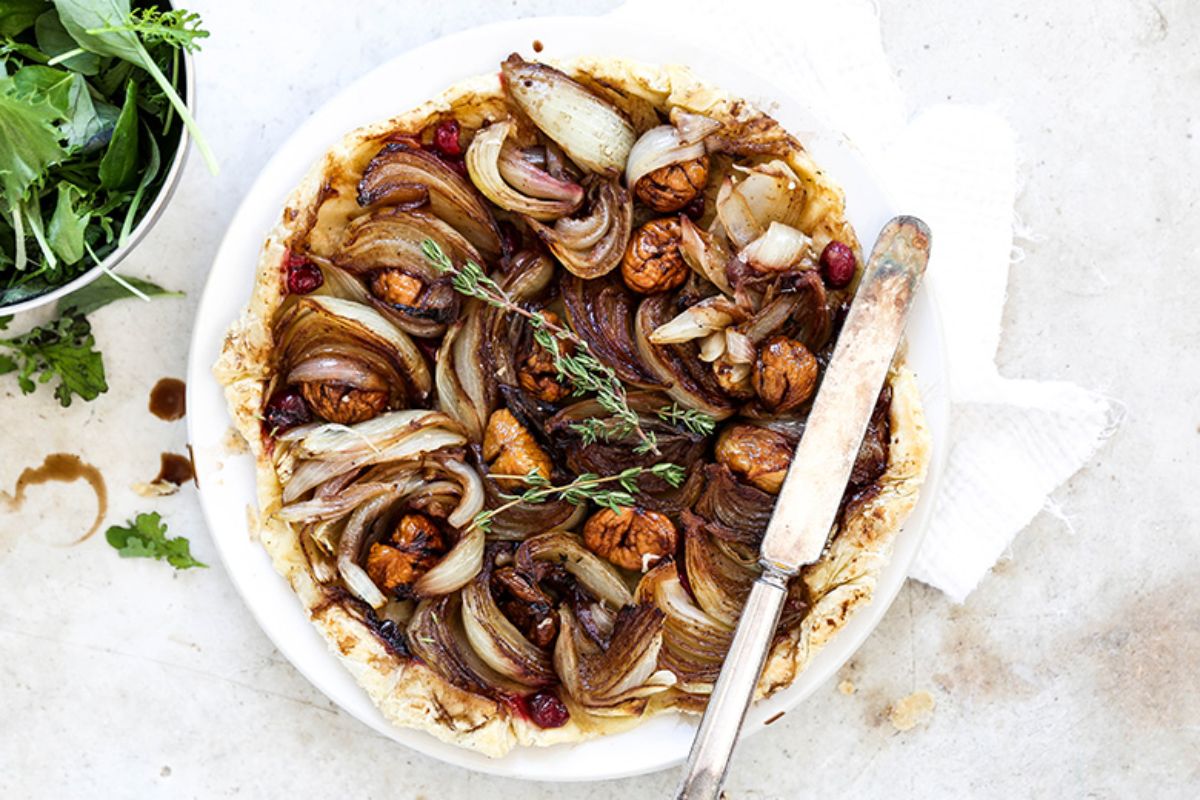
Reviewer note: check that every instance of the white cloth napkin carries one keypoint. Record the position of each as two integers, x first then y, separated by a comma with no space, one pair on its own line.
1013,441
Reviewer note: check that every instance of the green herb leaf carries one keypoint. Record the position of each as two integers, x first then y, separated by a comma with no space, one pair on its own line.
67,226
53,40
62,349
105,290
118,168
28,144
97,27
146,537
177,27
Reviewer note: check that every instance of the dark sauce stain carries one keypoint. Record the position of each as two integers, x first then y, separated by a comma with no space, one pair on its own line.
774,718
192,465
175,469
537,45
62,468
167,399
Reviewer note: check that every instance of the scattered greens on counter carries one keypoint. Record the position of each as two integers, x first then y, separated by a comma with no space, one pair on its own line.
146,537
89,114
65,348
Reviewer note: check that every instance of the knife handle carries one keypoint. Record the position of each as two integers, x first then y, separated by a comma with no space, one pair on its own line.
722,722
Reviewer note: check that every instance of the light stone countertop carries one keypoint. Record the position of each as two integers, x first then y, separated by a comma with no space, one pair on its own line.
1073,671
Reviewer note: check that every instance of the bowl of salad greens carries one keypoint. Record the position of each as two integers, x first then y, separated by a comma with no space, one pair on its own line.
95,120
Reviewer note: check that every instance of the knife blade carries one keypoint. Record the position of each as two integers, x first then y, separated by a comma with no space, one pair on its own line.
808,501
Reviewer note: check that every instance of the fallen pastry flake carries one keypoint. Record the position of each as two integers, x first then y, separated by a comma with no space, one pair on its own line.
908,712
847,687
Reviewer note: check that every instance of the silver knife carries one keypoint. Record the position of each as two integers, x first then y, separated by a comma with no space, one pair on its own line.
812,491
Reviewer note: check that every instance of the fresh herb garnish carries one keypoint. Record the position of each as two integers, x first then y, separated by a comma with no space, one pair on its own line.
65,348
587,487
89,108
62,349
691,419
580,368
146,537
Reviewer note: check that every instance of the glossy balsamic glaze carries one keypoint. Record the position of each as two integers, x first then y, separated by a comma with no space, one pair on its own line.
62,468
167,399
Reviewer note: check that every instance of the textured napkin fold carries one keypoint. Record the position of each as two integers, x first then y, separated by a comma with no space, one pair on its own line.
1012,441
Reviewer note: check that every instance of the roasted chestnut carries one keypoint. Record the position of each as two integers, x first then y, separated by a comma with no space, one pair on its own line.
344,404
653,262
758,455
414,546
511,450
785,374
672,187
632,538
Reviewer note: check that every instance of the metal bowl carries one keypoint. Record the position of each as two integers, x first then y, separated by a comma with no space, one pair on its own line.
155,209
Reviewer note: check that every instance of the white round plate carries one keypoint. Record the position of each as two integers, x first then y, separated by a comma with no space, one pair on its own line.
227,480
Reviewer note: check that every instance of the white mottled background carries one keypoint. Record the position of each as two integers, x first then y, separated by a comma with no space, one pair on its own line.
1071,672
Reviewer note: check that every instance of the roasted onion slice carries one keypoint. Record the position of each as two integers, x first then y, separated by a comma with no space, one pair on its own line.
593,132
627,670
329,341
592,245
690,381
399,174
767,193
601,313
484,158
498,642
388,239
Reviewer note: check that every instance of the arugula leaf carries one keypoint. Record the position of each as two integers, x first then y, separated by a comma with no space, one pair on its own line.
105,290
95,26
18,15
118,168
146,537
63,349
67,226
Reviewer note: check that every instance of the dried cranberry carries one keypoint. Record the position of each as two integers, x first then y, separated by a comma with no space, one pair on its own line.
695,209
285,410
303,276
838,264
445,138
546,710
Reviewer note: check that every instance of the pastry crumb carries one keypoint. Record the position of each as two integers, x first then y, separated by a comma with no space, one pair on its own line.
847,687
155,489
234,443
908,712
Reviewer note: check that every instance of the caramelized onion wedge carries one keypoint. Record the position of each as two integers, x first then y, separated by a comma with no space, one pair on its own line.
529,179
625,671
400,174
597,575
601,312
698,321
593,245
593,132
694,644
498,642
767,193
483,165
456,569
706,253
781,248
690,381
435,635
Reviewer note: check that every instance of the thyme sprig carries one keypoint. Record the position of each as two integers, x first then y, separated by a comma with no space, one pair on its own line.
692,419
586,488
580,368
